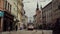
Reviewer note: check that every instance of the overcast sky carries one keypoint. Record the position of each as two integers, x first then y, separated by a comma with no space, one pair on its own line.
30,6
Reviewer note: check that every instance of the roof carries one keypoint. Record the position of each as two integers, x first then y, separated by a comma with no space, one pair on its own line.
47,5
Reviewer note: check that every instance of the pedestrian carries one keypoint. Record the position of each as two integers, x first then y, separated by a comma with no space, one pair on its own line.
9,29
16,27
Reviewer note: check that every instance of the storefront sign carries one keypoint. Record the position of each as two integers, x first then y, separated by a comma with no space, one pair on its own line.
1,13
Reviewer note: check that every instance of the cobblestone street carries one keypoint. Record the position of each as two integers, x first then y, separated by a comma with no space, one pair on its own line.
29,32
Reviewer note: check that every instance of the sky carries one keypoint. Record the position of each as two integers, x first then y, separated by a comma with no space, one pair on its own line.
30,7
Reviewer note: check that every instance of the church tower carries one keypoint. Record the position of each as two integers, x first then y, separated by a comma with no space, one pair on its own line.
38,15
37,6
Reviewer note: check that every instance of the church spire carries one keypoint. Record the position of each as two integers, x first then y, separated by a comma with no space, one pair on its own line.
37,6
41,7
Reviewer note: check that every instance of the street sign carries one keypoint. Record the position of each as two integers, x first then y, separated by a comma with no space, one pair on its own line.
1,13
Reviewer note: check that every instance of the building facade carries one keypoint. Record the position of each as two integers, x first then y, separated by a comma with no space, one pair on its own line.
56,10
47,16
20,12
47,13
5,14
17,11
38,17
13,10
51,14
25,21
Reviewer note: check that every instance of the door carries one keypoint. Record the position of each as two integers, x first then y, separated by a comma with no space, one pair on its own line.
0,23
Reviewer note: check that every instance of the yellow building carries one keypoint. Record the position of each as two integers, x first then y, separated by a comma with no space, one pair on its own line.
20,12
14,7
13,10
17,7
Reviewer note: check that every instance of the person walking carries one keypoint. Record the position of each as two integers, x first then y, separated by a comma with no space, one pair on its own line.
16,27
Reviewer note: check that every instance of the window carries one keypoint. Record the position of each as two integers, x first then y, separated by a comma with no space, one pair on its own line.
5,4
8,6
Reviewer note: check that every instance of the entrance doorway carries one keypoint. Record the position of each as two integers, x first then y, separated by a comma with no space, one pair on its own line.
0,23
5,25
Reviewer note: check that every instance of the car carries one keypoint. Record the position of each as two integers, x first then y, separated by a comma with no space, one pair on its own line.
30,27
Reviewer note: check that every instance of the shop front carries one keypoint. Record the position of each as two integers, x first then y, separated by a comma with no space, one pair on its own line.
6,21
1,19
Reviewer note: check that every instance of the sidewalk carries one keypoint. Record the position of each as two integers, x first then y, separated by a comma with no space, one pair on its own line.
11,32
29,32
